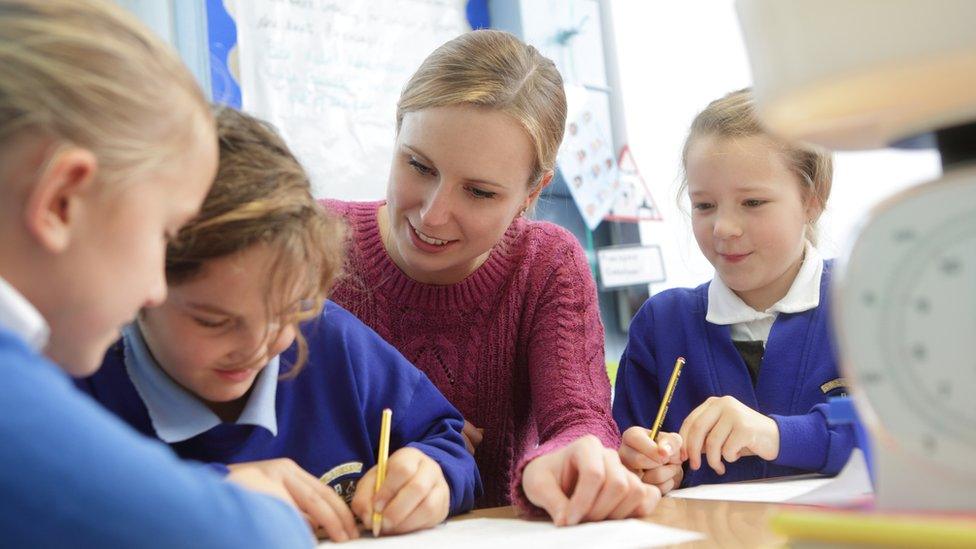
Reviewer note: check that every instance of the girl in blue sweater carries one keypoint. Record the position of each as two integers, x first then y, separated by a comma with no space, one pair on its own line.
760,362
247,367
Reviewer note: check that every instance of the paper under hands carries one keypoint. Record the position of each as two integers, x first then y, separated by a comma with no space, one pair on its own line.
489,533
851,485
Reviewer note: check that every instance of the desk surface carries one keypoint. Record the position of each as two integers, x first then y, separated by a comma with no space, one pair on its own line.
724,523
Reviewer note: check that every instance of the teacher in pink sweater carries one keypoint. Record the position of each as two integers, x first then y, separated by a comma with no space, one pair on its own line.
499,311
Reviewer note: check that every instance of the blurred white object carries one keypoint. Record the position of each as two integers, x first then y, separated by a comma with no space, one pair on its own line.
862,75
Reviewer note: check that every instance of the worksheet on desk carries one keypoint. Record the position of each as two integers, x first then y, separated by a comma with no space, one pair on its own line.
851,485
490,533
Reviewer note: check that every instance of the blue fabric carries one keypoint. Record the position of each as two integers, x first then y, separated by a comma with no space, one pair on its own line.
799,359
177,415
479,17
73,475
329,414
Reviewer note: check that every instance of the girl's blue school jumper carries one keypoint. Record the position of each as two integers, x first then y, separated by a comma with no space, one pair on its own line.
326,419
73,475
797,374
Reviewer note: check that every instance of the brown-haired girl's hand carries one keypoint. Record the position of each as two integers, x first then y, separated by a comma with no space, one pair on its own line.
725,429
472,436
413,496
323,508
655,462
584,481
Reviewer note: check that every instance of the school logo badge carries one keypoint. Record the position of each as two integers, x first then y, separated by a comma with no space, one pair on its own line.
345,487
836,387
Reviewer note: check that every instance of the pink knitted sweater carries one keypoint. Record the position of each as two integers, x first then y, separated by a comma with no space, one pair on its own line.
517,346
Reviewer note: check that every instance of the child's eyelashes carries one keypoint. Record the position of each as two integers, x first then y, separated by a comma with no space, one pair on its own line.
753,202
213,324
480,194
702,206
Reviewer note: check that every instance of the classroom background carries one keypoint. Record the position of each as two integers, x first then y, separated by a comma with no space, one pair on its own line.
636,73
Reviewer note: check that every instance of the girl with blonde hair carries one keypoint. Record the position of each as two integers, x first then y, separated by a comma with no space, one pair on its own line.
760,361
107,147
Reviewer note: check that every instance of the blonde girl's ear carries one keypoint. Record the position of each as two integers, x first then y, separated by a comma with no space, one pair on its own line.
54,198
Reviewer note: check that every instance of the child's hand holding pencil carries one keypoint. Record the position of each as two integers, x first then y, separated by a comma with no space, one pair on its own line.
413,496
657,462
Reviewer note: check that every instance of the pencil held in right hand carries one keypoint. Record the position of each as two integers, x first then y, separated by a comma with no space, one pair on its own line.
655,462
413,496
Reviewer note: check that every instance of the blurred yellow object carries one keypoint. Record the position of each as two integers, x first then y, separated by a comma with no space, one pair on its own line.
874,528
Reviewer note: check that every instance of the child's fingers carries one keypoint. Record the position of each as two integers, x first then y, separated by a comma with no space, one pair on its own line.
430,512
670,446
634,460
400,469
715,441
686,425
322,505
362,500
473,433
735,446
638,451
411,491
694,434
660,474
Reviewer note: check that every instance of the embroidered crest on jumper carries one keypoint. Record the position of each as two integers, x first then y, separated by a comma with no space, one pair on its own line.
839,383
346,488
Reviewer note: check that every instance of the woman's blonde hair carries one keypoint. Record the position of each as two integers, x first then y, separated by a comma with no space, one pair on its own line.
496,70
734,116
262,195
89,74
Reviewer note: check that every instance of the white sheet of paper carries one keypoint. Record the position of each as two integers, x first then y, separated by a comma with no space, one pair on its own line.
492,533
850,485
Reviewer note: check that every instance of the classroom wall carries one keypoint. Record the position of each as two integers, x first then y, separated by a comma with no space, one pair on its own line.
674,58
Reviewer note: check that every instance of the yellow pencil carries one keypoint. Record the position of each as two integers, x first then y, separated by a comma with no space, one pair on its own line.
666,401
384,454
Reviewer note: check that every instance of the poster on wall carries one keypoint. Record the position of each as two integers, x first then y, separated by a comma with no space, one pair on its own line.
588,164
328,73
635,202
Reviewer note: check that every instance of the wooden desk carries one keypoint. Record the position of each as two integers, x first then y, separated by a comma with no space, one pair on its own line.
724,523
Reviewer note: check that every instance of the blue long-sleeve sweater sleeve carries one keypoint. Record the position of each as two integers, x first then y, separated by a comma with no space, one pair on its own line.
71,474
423,418
808,442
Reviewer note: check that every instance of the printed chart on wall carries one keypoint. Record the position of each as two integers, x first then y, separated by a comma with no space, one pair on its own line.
587,161
328,73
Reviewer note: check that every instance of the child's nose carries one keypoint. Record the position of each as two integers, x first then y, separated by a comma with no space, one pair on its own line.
727,226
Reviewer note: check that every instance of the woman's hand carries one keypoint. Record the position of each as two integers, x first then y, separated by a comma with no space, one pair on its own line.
324,510
655,462
413,496
586,482
724,428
